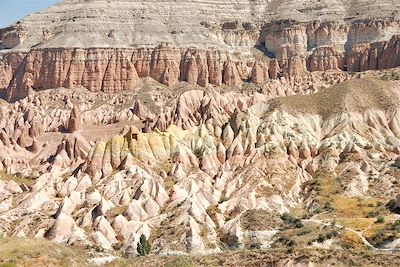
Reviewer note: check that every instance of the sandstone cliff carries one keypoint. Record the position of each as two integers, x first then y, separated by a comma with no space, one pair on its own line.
72,50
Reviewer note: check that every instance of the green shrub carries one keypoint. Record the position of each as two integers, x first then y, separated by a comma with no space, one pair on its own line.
380,219
318,210
143,246
286,216
223,199
332,234
304,232
382,238
286,241
230,241
328,206
292,221
255,245
290,250
396,226
321,238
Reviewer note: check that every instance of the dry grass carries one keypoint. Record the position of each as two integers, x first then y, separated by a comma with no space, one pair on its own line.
38,252
356,213
17,178
114,212
350,240
353,95
358,224
272,257
260,220
329,186
374,229
169,184
353,207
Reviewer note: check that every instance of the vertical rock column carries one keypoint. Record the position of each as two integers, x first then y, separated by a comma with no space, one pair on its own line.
74,123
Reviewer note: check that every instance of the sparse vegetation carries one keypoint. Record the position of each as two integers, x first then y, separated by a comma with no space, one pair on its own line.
254,245
229,241
380,219
356,213
328,206
382,238
396,226
383,232
349,240
326,236
291,221
182,261
223,199
117,210
39,252
198,152
211,211
320,257
285,241
259,220
391,76
339,97
372,214
18,178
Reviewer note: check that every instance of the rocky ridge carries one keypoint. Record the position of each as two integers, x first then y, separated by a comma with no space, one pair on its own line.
254,40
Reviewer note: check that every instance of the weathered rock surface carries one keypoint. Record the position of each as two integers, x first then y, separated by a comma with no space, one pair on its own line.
247,40
186,177
198,124
74,123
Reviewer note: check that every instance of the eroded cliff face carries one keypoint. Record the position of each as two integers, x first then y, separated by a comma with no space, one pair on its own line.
326,46
206,170
115,70
223,48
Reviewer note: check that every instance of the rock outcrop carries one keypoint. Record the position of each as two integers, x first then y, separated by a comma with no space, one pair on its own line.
75,121
202,125
236,47
188,178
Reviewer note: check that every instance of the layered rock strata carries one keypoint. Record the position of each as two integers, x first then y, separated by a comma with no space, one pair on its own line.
226,48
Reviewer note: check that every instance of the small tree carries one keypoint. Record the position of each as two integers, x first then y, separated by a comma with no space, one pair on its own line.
143,246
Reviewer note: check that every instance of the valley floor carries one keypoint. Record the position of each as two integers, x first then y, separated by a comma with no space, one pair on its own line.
30,252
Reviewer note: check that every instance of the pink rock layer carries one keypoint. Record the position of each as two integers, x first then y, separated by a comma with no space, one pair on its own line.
116,70
297,48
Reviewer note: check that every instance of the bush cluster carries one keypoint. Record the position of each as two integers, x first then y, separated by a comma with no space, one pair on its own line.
292,221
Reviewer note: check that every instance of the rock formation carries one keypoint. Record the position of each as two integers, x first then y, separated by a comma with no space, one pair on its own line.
74,123
204,126
200,162
210,49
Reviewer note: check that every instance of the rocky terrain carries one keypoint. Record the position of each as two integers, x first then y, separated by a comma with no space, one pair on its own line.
235,128
109,46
